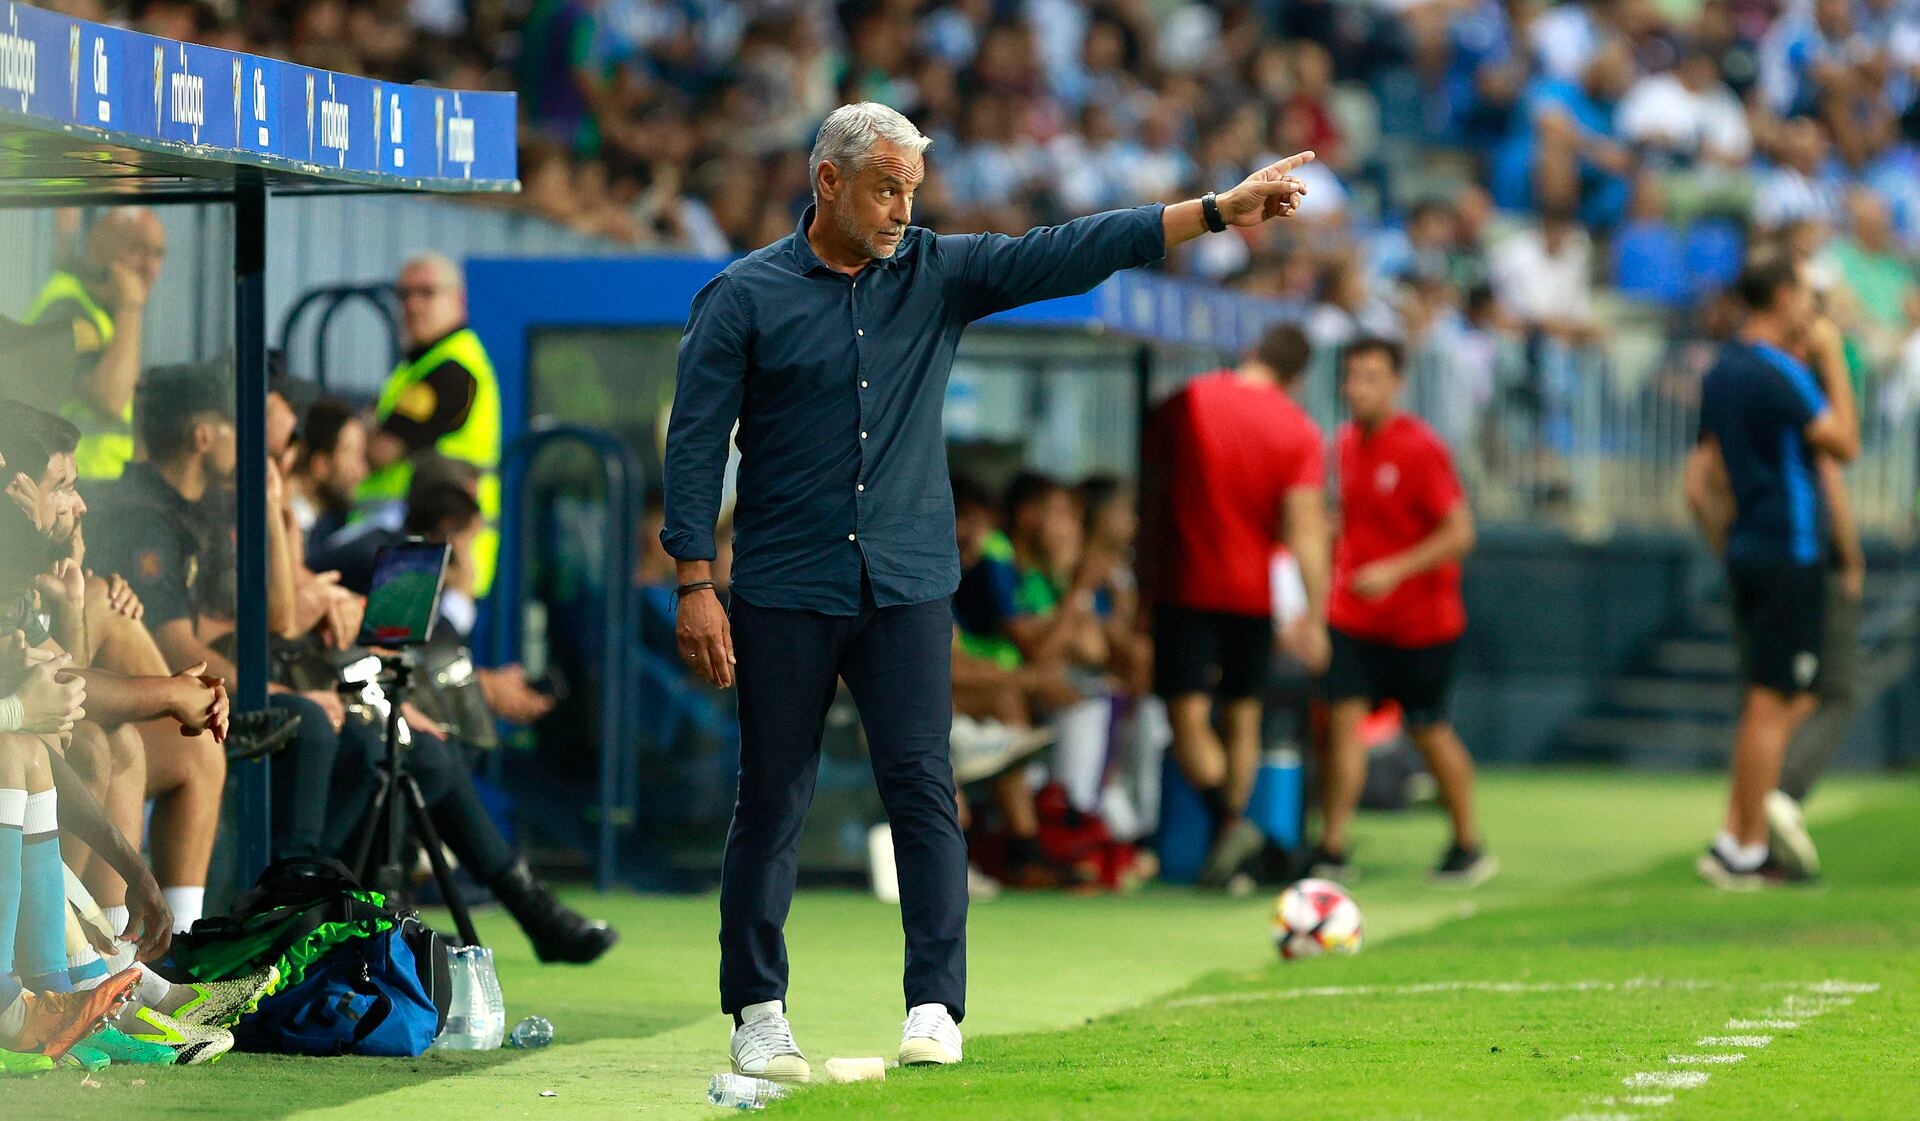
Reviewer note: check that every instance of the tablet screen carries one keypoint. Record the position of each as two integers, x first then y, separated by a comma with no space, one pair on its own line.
405,597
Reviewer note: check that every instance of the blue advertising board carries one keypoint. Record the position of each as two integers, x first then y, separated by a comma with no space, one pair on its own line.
198,103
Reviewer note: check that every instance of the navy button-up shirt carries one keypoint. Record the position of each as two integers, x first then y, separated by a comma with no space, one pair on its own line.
837,383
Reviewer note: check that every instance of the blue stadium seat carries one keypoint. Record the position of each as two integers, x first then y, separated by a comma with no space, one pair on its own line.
1650,263
1715,249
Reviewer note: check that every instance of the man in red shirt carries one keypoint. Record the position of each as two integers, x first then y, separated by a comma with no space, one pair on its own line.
1228,463
1396,614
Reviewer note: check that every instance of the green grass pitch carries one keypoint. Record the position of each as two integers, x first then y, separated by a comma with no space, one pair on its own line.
1595,978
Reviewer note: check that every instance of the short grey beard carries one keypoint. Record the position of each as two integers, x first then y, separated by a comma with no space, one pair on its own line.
863,240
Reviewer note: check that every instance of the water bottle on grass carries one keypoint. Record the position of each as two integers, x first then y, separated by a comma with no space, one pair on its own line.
531,1033
740,1091
477,1013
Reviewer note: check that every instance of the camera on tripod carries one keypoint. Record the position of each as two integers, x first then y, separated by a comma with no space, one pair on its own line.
402,607
359,681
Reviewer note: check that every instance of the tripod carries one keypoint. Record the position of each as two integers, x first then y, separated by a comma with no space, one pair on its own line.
398,807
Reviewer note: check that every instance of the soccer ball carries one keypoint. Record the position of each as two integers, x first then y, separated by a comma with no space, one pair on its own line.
1314,917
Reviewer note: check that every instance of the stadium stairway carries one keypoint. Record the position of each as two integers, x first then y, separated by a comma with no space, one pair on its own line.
1675,706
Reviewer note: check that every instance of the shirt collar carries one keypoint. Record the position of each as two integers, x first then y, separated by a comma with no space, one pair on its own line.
146,480
808,260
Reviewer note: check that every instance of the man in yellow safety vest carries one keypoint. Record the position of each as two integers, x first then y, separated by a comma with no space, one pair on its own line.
442,397
103,297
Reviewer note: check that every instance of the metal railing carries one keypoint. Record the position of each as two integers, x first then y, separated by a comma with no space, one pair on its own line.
1593,439
328,300
608,466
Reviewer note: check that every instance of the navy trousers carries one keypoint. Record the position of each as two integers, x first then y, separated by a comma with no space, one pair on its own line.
898,664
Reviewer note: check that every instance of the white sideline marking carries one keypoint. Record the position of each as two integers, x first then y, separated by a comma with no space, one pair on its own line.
1598,1117
1792,1005
1812,998
1807,1006
1696,1060
1629,985
1837,987
1666,1080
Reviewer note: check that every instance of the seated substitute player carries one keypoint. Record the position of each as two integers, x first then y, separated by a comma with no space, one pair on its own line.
1396,614
1767,418
151,734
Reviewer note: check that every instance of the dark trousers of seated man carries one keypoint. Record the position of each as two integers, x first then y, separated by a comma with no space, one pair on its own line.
326,780
897,663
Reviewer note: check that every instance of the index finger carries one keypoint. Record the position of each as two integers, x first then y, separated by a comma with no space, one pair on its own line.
1298,159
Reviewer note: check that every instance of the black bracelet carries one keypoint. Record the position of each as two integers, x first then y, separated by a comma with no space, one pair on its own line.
1210,211
693,587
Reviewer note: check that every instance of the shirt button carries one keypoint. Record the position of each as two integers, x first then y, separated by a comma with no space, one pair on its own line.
858,331
861,487
863,385
863,435
850,537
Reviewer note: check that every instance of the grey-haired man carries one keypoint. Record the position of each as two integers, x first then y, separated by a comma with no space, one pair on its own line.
831,349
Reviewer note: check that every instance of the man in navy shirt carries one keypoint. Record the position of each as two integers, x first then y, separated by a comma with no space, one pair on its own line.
830,349
1764,418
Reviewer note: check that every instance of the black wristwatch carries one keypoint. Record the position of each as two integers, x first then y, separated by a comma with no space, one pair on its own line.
1210,210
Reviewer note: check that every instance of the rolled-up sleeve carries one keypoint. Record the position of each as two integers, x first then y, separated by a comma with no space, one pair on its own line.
1000,272
706,404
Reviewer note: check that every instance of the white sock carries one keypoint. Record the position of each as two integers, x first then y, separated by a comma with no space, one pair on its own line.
1739,857
116,919
13,808
185,903
122,958
153,987
1080,755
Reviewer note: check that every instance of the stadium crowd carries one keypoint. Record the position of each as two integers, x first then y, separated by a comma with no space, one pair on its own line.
1527,183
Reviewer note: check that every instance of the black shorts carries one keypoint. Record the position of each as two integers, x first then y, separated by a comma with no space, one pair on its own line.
1210,652
1779,620
1420,678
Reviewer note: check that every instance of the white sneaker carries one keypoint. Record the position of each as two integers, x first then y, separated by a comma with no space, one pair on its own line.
983,749
763,1045
981,888
1787,835
930,1037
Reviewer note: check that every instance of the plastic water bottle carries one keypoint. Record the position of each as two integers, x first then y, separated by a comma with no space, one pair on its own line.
740,1091
477,1013
532,1033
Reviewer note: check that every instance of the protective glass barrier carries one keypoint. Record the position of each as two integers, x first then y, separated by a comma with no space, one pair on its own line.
117,415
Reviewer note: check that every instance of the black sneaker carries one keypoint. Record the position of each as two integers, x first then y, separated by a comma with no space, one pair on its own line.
1324,863
260,733
1464,867
1239,842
